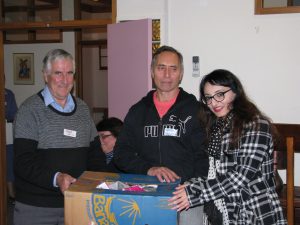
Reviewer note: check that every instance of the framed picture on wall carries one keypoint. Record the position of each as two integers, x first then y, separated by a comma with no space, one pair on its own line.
103,57
23,70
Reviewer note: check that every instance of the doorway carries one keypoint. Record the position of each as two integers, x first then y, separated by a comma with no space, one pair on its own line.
94,78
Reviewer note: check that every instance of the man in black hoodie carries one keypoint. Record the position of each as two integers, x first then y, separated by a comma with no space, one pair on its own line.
161,135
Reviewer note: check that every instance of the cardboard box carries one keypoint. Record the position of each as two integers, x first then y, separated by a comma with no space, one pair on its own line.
87,205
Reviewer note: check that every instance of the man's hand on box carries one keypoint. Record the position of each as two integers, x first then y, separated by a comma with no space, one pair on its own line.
163,174
63,181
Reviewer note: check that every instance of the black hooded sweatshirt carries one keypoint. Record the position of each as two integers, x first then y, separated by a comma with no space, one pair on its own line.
176,140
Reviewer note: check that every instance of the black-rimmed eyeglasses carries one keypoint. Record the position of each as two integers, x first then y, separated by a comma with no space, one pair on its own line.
219,97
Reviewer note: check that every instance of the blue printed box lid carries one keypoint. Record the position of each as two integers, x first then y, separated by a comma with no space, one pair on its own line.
86,205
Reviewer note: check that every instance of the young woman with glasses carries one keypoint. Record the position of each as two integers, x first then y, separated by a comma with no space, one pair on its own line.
239,188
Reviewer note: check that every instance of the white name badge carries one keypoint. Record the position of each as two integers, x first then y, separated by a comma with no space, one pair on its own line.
170,132
69,133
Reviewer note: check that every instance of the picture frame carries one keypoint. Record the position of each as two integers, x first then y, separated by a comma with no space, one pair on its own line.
23,68
103,57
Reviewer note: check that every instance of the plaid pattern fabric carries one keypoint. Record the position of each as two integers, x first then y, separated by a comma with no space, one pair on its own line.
244,179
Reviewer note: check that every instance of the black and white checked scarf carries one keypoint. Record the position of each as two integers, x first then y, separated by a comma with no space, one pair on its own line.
214,215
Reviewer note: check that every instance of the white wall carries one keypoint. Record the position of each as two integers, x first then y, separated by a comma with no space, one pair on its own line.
262,50
142,9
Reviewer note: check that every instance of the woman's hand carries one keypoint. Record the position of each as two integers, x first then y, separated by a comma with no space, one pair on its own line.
180,200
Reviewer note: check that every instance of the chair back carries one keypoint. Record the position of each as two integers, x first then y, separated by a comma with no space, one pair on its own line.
290,180
284,159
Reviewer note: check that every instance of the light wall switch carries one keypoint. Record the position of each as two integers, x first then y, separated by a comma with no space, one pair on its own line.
196,67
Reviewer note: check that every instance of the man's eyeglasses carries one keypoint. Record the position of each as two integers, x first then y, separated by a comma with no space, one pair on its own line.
219,97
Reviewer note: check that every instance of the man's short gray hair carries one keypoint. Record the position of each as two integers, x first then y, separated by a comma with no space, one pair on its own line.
53,55
162,49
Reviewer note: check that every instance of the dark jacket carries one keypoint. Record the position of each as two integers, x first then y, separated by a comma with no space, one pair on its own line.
175,141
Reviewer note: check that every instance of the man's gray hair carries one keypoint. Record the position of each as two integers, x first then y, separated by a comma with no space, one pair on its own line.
162,49
53,55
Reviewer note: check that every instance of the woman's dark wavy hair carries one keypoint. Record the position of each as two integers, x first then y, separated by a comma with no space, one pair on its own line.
244,110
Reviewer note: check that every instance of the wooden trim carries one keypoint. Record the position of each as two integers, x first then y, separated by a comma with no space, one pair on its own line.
114,11
288,130
3,185
94,42
65,25
34,41
79,78
259,9
290,180
78,52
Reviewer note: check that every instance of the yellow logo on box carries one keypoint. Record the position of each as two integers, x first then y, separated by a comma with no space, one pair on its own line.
103,215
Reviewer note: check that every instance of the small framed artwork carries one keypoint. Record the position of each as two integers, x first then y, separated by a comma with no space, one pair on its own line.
23,64
103,57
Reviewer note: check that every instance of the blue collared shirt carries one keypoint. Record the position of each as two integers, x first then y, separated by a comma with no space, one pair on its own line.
109,156
49,100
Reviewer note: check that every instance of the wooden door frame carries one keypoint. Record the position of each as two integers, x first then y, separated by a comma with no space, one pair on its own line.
62,25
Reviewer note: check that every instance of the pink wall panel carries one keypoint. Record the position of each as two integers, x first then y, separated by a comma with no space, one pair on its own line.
129,58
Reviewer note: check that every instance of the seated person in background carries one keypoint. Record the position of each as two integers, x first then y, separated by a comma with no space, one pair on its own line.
108,130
